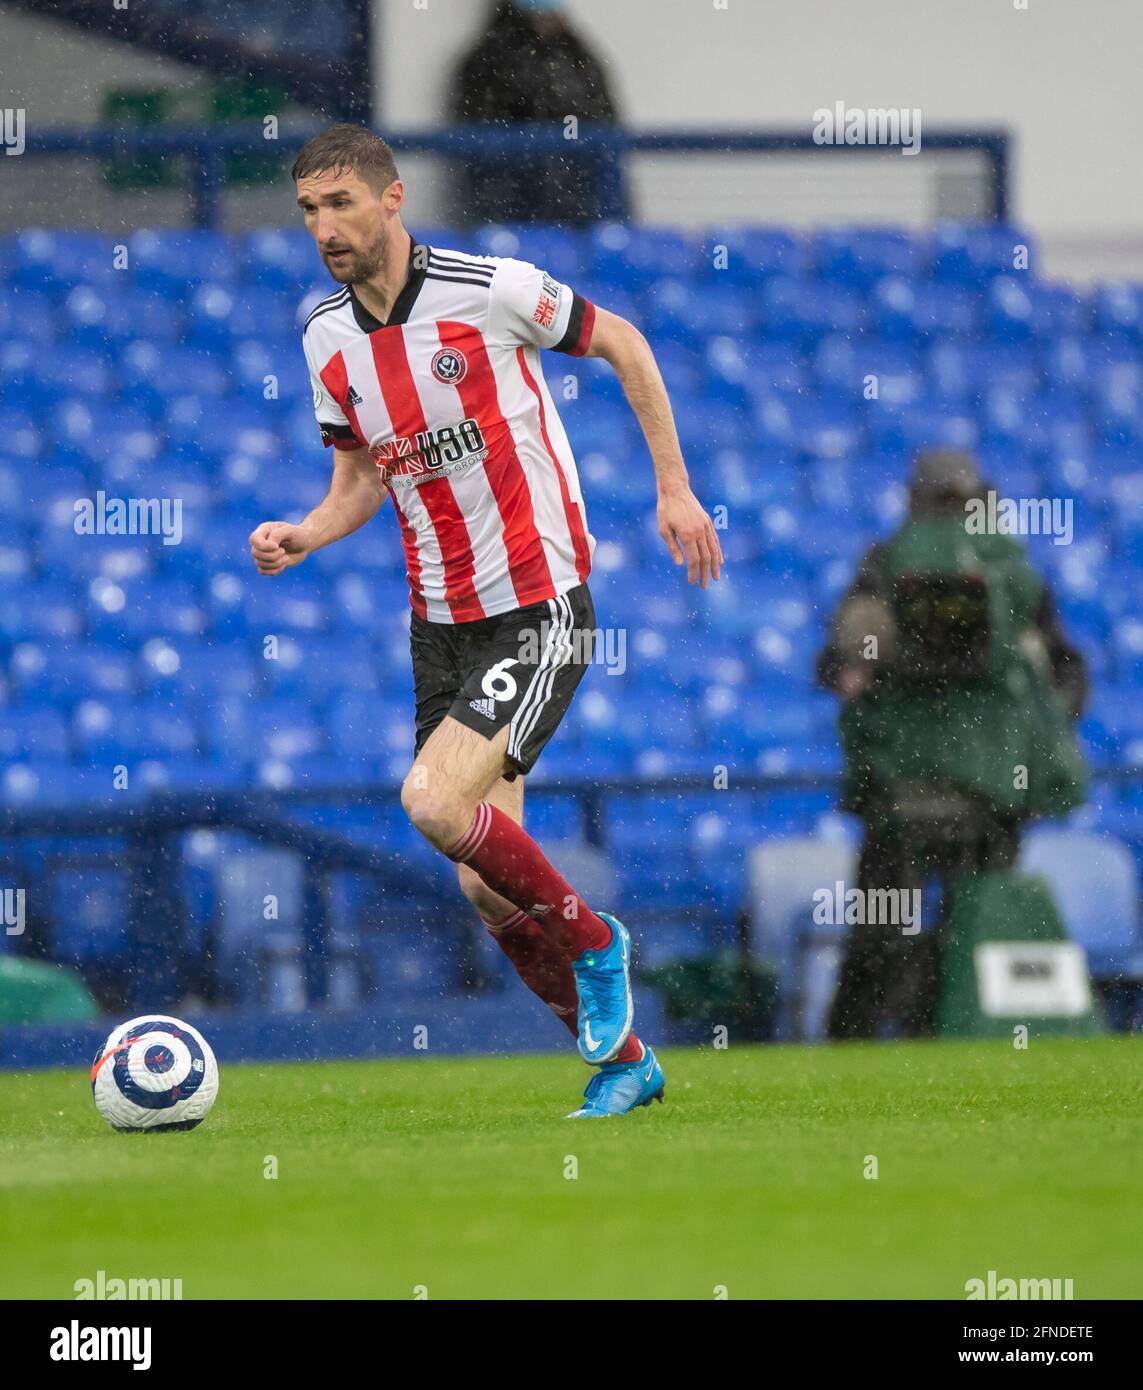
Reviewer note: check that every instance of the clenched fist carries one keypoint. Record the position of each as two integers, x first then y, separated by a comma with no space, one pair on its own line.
276,545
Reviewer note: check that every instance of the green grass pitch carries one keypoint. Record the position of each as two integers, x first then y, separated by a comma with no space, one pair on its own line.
452,1176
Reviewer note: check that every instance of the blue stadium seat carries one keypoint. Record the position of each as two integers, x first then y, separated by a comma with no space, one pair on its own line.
802,311
61,673
1096,887
634,257
706,426
558,250
1118,310
107,318
40,781
276,608
855,367
958,370
28,315
19,362
33,733
683,310
923,425
22,435
287,732
755,255
16,563
168,263
254,359
286,492
90,910
201,671
860,256
923,313
974,253
61,259
370,724
277,259
157,729
140,608
46,610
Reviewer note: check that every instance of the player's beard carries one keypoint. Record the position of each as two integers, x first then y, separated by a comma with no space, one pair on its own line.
363,265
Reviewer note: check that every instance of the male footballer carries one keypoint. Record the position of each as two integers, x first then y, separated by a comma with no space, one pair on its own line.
425,367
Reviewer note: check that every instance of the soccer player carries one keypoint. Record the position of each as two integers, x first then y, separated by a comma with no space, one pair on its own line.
425,368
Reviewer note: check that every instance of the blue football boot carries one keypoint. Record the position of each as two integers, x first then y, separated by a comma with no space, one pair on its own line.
603,983
619,1087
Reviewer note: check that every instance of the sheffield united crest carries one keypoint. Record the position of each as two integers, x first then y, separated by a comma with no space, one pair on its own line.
449,365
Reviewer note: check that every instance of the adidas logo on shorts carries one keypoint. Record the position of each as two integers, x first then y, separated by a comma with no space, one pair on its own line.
484,707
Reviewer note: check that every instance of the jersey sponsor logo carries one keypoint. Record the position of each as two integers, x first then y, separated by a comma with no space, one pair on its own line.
352,398
449,365
484,707
418,458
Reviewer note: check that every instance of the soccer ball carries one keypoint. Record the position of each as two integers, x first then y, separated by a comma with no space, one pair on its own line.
154,1072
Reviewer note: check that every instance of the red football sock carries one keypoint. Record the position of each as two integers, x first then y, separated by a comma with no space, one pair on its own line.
539,963
513,865
547,972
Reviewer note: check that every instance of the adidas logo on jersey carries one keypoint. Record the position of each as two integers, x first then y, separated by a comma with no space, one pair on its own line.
484,707
353,398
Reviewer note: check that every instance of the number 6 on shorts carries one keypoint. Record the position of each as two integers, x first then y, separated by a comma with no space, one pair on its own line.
497,683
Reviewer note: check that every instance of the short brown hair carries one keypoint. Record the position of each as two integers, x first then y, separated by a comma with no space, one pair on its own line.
348,147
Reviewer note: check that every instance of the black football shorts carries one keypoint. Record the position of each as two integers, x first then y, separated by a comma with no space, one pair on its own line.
519,668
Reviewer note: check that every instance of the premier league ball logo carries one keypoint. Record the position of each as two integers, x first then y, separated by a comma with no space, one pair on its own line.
449,366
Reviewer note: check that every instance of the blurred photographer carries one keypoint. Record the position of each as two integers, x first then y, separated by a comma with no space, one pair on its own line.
960,692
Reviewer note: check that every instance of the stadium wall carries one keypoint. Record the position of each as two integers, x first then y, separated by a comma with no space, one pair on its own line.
1055,75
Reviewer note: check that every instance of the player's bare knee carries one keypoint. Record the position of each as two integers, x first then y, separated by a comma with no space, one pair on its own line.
435,812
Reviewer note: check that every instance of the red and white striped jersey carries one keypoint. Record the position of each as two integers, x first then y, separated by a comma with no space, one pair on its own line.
449,398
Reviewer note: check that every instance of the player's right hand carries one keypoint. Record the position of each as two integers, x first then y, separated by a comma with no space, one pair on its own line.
276,545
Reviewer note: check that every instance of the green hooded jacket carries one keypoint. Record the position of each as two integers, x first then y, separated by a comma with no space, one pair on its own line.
1006,734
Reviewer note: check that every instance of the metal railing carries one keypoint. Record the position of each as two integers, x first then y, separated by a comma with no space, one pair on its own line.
149,831
206,150
147,834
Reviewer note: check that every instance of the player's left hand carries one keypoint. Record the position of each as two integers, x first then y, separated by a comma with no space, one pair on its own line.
689,535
